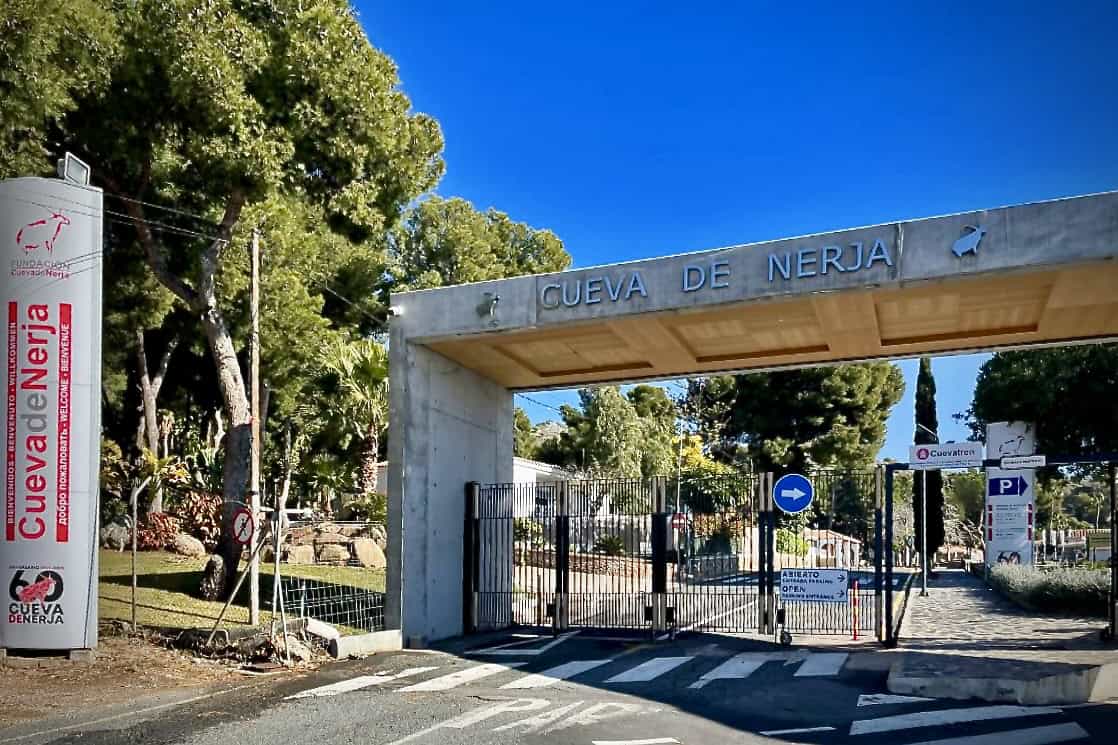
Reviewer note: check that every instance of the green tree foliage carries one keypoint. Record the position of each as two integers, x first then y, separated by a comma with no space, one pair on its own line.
826,416
1067,392
616,435
52,53
967,491
929,485
357,377
523,438
447,242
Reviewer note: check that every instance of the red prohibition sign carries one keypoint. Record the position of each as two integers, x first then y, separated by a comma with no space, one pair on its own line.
242,526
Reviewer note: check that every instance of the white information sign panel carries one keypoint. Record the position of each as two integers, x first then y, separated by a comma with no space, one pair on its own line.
1010,493
945,455
50,234
814,585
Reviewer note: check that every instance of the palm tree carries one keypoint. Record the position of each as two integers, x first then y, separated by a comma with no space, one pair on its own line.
361,371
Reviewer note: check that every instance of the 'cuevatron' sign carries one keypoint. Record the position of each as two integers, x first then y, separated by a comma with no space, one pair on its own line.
50,298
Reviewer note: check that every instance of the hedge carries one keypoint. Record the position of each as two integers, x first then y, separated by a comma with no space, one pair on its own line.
1080,591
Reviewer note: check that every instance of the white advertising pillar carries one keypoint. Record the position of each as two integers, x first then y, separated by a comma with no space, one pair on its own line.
50,234
1009,519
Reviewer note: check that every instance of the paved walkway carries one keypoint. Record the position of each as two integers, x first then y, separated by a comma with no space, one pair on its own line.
964,640
961,616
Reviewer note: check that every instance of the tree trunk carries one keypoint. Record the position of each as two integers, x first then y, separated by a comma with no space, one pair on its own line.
369,450
238,439
147,433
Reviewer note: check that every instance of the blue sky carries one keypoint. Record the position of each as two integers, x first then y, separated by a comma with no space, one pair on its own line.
640,129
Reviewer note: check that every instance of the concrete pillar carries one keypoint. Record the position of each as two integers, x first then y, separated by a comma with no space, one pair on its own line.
447,425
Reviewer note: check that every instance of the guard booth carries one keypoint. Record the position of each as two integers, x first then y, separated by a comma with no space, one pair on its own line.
674,555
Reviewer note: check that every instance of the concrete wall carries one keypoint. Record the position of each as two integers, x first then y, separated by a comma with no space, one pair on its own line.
450,426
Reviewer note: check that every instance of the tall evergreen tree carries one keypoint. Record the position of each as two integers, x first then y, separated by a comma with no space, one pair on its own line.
926,424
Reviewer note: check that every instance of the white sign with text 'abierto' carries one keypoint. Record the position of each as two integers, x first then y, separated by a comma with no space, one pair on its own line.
814,585
50,281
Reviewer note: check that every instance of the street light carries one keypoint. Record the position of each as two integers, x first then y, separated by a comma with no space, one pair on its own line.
924,521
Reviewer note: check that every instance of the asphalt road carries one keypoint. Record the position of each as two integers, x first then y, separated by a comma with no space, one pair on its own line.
578,689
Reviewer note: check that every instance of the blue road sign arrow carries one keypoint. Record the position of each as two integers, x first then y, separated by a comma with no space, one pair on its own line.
1011,486
793,493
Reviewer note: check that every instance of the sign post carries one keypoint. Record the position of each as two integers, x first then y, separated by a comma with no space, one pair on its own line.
50,233
1010,494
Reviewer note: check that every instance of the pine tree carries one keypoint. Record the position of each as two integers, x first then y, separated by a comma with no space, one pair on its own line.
927,424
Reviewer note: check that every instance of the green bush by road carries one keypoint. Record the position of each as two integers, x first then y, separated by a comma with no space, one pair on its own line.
1078,591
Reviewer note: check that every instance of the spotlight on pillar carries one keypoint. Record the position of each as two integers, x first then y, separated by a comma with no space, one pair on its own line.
487,308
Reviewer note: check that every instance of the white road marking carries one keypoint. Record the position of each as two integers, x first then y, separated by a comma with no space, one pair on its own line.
1032,736
453,680
649,670
796,731
515,648
873,699
821,664
477,715
596,714
738,666
946,716
555,674
703,622
541,720
652,741
361,681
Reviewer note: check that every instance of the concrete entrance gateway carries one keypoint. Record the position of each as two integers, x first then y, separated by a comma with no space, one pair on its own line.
1030,275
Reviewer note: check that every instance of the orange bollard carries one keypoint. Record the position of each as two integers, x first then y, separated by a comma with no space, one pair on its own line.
855,610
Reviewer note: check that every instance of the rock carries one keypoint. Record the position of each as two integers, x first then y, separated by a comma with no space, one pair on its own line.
212,586
115,535
380,535
354,531
187,545
323,539
368,553
332,553
299,651
300,555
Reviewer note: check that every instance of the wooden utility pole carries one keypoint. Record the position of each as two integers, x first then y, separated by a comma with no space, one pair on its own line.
254,473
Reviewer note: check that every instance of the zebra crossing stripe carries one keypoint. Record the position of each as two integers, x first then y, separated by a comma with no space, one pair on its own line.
820,664
649,670
738,666
555,674
1032,736
361,681
947,716
461,677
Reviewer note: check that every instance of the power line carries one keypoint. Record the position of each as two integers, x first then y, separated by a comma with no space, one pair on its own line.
537,402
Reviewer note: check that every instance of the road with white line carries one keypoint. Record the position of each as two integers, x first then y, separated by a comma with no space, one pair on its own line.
582,690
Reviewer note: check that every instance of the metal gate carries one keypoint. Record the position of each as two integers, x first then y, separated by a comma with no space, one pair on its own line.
668,554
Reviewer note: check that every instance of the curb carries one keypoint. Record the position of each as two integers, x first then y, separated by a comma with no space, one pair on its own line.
365,644
1085,685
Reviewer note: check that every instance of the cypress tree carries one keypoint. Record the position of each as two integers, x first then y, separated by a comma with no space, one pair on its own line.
926,418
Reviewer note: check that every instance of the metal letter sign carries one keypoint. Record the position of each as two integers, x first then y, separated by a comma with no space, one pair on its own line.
813,585
50,240
793,493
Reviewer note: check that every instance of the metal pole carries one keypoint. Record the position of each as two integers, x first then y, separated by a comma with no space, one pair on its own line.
254,476
924,533
1113,609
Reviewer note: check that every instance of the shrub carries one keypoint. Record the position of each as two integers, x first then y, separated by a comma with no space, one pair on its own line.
1082,591
610,545
157,531
527,530
790,542
371,508
199,513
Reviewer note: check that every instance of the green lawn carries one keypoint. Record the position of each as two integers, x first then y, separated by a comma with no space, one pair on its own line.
166,585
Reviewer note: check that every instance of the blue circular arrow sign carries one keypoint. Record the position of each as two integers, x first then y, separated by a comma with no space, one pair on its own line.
793,493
